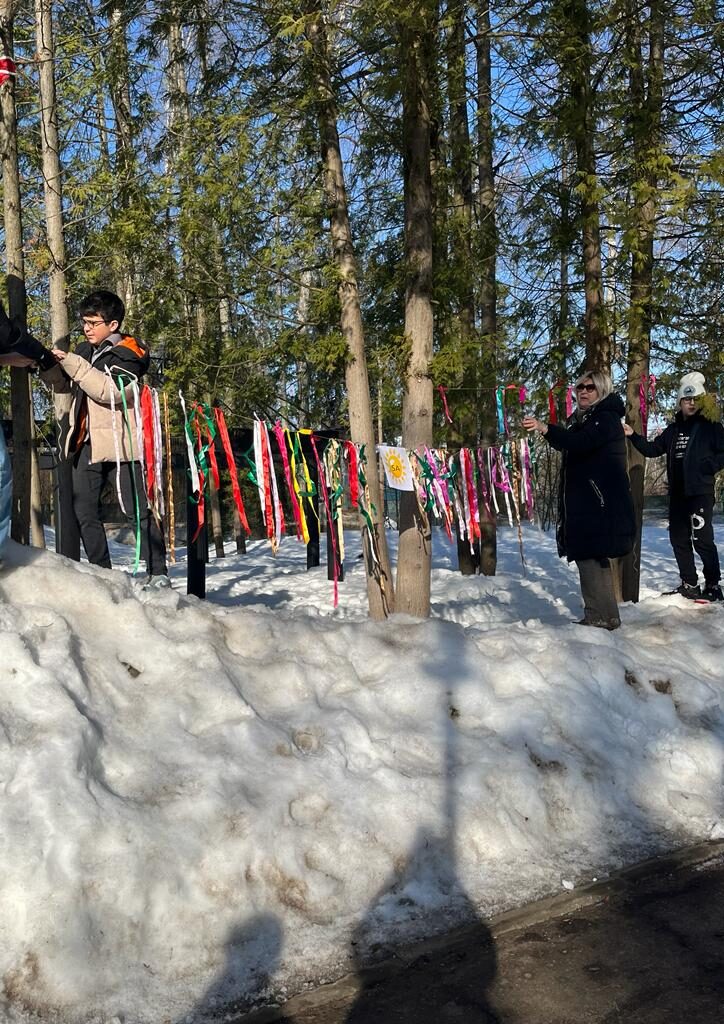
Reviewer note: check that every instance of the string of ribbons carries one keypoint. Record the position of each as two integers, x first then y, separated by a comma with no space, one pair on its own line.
455,488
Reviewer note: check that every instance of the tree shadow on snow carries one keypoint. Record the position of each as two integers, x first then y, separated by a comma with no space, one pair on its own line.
446,977
252,954
431,982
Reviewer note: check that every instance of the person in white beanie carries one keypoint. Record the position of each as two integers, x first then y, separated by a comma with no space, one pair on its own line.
694,449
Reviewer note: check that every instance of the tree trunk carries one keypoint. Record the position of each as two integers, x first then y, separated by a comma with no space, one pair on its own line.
646,92
415,550
239,534
302,366
67,534
380,588
488,271
460,225
577,68
26,519
125,161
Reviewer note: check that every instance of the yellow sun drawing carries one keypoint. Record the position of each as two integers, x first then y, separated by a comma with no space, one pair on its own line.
395,466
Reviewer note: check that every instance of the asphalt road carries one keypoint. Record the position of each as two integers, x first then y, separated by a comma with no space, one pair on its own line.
645,947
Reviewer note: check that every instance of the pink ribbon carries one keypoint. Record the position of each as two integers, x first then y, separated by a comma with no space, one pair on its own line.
484,482
282,442
474,532
439,488
330,522
501,480
528,484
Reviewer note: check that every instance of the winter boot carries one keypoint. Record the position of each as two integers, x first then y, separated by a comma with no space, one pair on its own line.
690,591
712,592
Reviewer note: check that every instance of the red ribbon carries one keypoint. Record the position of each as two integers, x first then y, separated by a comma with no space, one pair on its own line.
647,390
149,454
8,69
353,473
235,489
443,396
552,412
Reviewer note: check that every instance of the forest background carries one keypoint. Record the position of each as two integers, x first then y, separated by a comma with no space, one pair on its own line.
322,212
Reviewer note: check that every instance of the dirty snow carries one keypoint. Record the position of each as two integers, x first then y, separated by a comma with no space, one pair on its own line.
213,804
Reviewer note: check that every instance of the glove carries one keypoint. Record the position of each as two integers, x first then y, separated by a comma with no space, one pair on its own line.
14,338
35,350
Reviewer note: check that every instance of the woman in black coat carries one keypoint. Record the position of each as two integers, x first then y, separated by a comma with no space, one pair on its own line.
596,517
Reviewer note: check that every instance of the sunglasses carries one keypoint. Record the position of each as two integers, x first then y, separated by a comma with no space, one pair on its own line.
585,387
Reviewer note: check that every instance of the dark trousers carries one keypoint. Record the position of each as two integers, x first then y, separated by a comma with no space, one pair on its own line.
599,598
691,529
89,479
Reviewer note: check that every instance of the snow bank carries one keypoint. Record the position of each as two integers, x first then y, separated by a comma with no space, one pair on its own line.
208,804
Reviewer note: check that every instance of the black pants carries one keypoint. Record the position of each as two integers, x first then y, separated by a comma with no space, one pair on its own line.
89,479
690,530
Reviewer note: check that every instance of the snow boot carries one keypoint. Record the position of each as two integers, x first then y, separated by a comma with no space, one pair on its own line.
159,582
609,624
712,592
690,591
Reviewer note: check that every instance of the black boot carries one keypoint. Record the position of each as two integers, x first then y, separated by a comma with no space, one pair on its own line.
688,590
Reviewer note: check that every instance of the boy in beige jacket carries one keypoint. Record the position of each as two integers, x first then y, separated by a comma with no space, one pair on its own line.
99,438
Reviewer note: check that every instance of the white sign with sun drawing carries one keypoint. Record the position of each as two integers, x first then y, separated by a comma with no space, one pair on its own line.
397,467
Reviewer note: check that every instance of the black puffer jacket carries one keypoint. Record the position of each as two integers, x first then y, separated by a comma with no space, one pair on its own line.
703,458
596,516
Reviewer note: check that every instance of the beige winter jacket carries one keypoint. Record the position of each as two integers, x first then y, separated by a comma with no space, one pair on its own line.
77,377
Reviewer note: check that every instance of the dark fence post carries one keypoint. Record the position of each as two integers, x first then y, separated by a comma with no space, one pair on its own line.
67,534
333,554
313,530
67,531
197,551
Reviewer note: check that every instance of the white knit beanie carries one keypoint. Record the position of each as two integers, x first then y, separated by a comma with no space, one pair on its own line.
692,385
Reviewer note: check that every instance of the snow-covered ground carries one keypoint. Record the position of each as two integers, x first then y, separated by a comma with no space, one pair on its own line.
215,803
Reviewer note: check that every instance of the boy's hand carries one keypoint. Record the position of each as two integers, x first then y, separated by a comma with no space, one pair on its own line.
59,354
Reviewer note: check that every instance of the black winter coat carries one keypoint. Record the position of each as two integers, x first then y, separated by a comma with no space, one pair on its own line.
596,515
703,457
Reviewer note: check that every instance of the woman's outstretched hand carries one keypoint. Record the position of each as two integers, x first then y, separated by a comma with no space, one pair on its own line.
628,431
531,423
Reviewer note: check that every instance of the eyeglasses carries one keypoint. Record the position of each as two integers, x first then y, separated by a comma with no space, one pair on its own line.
585,387
92,323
